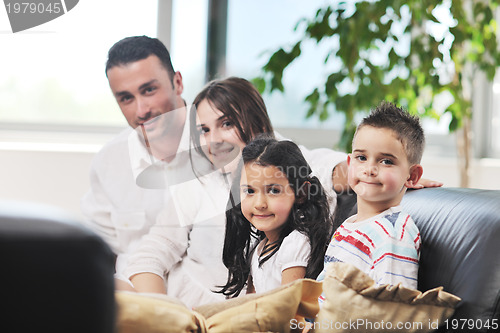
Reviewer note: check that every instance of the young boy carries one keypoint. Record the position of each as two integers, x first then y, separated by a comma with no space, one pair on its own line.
380,239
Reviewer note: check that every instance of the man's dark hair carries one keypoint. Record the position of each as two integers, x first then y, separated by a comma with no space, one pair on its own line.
406,127
131,49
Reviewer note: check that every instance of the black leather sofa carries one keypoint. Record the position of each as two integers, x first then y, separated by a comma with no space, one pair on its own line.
56,276
460,231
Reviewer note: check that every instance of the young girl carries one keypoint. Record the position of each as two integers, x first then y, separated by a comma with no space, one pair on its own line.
277,229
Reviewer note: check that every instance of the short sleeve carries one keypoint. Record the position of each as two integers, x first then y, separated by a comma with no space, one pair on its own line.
396,260
294,251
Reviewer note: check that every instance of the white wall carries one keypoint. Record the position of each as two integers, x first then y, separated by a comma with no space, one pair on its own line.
57,174
484,173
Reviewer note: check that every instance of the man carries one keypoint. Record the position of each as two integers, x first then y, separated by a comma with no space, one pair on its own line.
148,91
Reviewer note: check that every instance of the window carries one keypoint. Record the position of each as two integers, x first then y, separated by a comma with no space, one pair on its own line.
258,27
54,73
189,44
495,119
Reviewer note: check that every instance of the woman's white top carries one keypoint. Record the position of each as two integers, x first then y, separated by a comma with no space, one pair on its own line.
293,252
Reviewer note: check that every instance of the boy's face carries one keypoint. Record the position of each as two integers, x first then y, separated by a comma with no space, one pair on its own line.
378,167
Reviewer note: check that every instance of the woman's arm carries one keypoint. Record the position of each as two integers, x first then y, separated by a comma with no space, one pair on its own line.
293,273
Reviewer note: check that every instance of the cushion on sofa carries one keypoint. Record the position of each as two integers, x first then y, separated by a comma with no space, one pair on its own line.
155,313
275,311
279,310
353,303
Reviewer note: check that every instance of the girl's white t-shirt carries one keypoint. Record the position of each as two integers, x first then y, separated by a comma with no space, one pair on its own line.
293,252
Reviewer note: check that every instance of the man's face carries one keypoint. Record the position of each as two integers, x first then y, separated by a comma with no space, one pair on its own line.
144,91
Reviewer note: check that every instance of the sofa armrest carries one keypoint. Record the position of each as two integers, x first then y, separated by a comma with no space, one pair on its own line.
460,231
57,276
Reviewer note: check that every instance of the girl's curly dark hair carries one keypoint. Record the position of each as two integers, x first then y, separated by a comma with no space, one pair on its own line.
310,213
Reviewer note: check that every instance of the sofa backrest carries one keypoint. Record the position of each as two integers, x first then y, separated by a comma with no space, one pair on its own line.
57,276
460,231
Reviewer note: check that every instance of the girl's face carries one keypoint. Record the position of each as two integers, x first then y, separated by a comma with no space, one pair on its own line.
266,198
219,137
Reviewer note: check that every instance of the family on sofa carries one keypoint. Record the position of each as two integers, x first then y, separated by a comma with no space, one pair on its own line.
187,217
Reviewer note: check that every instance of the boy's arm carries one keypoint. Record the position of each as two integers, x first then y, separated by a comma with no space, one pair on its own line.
397,268
396,259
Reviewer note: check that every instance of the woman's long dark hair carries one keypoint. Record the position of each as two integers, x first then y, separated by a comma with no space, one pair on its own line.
310,213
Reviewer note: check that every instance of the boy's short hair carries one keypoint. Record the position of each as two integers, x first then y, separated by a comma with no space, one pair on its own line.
406,127
135,48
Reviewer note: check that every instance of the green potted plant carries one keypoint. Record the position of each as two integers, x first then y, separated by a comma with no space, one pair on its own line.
412,53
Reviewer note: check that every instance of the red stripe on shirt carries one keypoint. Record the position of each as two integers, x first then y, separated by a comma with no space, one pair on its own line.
395,256
381,226
416,238
404,227
365,236
355,242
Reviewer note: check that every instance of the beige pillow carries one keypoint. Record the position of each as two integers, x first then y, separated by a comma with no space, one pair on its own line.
154,313
279,310
353,303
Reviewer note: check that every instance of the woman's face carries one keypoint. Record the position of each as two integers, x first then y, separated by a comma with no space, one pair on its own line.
219,137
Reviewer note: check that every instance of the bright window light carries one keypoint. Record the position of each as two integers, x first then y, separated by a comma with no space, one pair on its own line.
54,73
